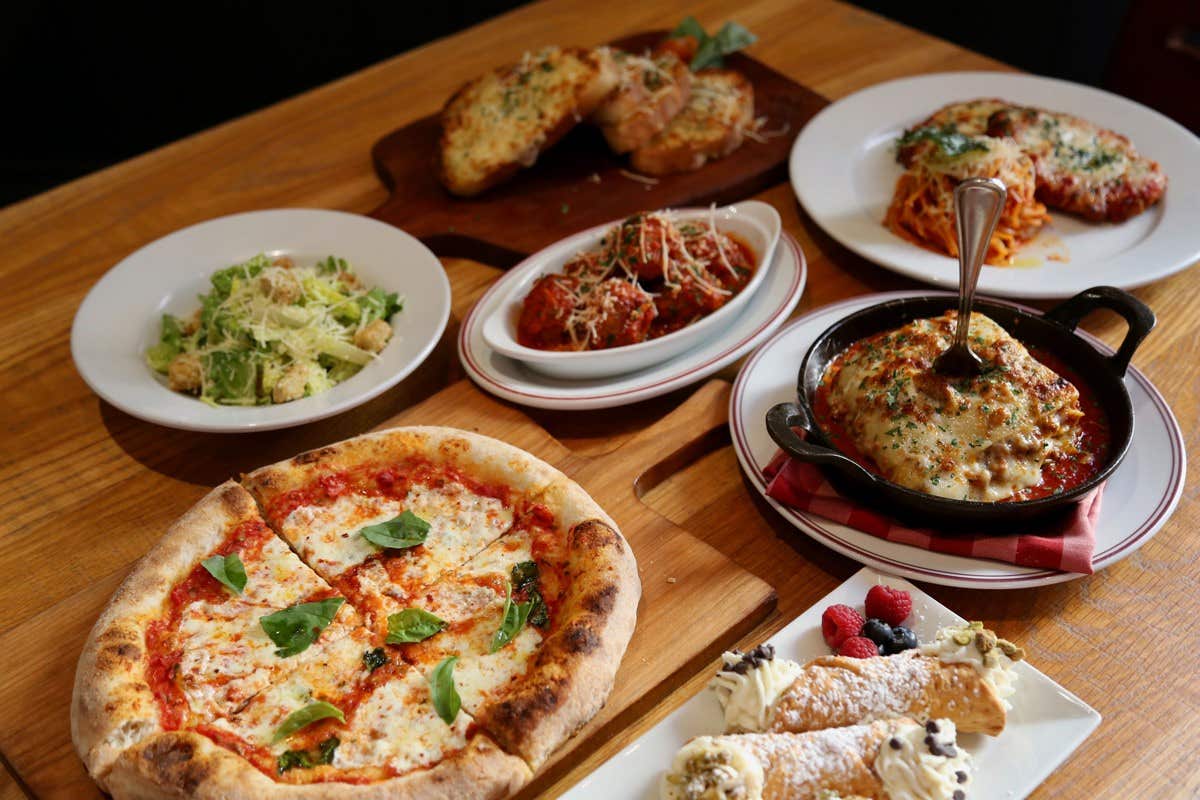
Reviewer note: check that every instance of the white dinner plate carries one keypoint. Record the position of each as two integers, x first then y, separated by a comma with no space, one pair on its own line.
510,379
1138,498
120,316
1046,724
844,172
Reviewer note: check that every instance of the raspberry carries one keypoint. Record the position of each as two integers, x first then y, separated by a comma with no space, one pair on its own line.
858,647
839,623
890,605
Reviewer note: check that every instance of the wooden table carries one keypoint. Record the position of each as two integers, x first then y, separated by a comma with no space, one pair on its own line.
85,489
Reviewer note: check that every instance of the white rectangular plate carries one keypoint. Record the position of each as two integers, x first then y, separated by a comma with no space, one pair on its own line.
1045,725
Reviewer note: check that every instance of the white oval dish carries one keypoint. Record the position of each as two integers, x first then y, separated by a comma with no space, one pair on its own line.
119,318
756,223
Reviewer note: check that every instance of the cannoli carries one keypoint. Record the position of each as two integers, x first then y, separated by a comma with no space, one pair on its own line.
895,759
965,676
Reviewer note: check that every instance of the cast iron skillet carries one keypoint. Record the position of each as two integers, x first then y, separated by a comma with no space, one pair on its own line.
1053,332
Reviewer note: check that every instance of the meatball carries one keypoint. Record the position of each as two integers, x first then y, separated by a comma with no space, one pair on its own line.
642,243
684,303
373,336
290,385
185,373
624,313
545,313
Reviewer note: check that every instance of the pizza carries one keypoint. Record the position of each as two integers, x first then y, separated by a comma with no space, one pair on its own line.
421,612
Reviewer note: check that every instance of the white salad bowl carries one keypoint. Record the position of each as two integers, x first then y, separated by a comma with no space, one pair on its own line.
756,223
120,317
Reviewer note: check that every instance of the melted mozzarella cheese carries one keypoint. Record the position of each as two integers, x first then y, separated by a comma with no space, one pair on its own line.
461,524
397,727
980,439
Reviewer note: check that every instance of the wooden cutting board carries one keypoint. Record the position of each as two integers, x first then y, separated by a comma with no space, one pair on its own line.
579,183
695,600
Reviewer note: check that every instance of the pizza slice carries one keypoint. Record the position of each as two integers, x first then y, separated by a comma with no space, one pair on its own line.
538,623
216,612
383,515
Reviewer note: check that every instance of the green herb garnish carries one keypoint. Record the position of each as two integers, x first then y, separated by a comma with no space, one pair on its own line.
374,659
443,692
302,718
406,530
229,570
413,625
712,49
948,140
307,759
294,629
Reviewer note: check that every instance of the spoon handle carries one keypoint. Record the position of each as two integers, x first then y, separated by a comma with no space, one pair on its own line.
977,206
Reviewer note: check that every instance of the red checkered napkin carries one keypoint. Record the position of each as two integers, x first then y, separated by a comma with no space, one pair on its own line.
1067,544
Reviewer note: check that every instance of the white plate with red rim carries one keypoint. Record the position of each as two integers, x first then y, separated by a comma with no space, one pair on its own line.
754,222
513,380
1138,498
1046,724
844,173
120,316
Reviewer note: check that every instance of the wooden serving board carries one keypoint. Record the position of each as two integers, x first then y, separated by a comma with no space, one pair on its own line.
578,183
695,600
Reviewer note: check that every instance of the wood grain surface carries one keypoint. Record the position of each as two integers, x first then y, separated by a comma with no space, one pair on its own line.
85,489
579,182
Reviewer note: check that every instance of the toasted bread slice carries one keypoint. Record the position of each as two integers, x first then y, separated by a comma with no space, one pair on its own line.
502,121
719,110
970,118
650,93
1081,167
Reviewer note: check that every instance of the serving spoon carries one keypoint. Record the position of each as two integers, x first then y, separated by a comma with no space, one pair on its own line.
977,206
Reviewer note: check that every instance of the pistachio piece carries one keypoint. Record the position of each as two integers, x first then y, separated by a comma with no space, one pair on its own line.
963,637
985,640
1015,652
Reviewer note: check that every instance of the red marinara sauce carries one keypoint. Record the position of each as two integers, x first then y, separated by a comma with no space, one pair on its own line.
1058,475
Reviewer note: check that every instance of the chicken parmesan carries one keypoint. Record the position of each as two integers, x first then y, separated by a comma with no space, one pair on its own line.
450,609
1017,431
651,275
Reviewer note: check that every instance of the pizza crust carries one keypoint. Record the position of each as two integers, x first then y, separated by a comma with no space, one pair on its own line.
183,764
482,457
572,673
112,707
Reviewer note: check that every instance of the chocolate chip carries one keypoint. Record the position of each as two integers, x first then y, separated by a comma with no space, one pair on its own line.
932,727
959,794
895,743
960,776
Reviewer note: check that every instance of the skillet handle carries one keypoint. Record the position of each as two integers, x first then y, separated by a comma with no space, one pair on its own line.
785,416
1140,317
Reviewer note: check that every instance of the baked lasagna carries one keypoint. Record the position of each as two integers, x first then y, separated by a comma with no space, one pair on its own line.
997,436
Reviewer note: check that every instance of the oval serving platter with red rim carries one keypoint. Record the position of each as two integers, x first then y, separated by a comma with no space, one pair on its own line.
511,380
1138,499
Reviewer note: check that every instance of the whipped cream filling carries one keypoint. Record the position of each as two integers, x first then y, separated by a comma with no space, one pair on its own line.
749,684
975,645
709,768
923,762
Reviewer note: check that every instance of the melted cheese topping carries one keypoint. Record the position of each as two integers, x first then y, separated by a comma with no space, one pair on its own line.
461,524
397,728
473,608
227,657
984,438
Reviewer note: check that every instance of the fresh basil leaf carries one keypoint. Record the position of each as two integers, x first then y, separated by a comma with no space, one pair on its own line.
524,575
729,39
294,629
229,570
443,692
539,614
307,759
302,718
374,659
413,625
515,616
406,530
689,27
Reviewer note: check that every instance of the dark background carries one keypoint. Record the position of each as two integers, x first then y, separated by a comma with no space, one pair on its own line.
88,85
